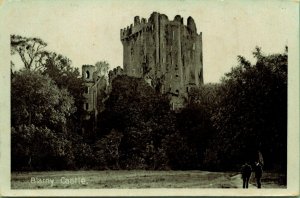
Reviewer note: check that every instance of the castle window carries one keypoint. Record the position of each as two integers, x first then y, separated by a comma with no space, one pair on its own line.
87,106
187,89
86,90
173,34
87,74
177,75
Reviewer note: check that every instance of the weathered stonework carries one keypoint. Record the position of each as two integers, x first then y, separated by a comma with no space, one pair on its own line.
93,83
168,54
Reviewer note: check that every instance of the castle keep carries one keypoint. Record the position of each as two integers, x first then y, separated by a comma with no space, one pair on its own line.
168,54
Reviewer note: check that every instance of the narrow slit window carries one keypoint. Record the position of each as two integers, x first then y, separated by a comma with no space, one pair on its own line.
87,74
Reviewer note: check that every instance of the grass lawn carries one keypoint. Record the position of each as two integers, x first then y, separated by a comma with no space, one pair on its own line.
136,179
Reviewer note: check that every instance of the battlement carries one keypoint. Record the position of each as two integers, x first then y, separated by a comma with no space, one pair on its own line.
138,26
145,25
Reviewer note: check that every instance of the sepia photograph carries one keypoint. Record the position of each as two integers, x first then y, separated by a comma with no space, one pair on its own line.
126,98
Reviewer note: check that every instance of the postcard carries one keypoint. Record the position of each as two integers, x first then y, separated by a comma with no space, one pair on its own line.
149,98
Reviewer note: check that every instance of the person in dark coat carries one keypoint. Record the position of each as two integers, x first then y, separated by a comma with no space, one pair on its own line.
246,173
258,173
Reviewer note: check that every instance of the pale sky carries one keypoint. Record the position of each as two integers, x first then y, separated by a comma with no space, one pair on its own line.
89,31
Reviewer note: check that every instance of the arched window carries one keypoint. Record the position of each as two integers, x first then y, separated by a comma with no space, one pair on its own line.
87,74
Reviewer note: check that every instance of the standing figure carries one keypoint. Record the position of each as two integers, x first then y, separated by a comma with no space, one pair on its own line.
258,173
246,173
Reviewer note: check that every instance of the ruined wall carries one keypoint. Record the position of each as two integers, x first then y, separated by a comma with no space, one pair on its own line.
88,78
113,74
168,53
93,83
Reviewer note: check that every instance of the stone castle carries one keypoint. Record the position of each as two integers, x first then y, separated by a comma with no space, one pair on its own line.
167,54
93,82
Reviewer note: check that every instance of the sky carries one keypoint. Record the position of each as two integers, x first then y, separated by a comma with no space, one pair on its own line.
89,31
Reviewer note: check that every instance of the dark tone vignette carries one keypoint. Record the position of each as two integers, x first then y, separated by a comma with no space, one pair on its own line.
152,122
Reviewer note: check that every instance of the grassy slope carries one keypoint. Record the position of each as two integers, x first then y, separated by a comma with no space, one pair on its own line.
139,179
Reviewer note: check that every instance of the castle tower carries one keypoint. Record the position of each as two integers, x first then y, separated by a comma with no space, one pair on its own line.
87,72
88,76
168,53
93,84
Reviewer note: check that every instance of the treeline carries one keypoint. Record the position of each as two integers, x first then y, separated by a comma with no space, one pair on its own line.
222,126
46,107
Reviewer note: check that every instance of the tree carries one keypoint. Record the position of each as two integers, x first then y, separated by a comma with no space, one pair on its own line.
102,67
30,50
143,116
252,113
37,100
40,148
107,150
59,69
196,129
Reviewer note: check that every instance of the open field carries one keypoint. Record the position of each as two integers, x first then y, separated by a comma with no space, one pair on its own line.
136,179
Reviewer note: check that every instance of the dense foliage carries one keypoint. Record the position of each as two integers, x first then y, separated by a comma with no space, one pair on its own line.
251,114
37,100
46,108
143,118
222,126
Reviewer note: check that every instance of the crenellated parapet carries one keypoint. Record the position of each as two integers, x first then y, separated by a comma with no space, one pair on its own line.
140,25
137,27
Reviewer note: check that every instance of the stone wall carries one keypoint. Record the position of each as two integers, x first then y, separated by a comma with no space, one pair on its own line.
93,83
168,53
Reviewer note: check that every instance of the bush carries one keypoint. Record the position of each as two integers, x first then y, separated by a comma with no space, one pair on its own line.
39,148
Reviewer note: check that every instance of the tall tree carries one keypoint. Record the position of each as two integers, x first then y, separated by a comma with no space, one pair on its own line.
102,67
143,117
37,100
59,68
252,112
30,50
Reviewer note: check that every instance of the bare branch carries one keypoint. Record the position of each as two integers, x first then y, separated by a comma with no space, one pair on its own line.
23,58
